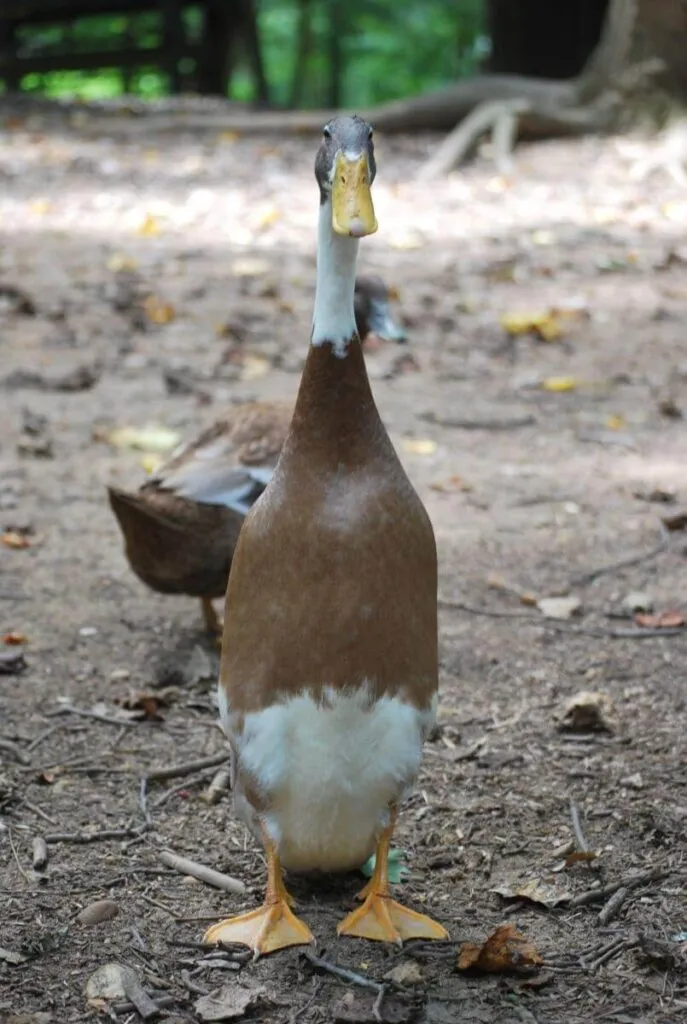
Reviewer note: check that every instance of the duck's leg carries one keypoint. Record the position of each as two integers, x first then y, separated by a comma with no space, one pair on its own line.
274,926
211,618
382,918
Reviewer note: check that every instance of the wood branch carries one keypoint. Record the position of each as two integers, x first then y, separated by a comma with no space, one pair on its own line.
612,53
466,134
201,872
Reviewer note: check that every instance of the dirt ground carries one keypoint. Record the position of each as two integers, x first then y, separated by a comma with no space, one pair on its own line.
153,279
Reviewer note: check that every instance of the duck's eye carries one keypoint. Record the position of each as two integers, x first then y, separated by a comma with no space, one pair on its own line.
326,132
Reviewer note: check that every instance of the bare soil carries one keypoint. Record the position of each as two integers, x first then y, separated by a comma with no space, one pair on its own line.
530,491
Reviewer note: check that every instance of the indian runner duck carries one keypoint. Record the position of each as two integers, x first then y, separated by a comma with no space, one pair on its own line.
329,681
181,526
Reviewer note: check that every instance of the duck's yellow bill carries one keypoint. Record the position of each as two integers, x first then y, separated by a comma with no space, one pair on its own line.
352,209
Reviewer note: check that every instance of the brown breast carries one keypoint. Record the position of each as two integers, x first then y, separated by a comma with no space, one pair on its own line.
334,579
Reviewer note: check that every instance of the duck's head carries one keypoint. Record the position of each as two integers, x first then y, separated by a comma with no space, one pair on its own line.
345,169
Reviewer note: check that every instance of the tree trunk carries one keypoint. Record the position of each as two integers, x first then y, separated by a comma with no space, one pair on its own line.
662,32
303,48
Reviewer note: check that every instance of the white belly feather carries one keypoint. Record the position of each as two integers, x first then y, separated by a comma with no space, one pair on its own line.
330,771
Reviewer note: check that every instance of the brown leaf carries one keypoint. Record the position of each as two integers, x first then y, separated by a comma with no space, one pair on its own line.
144,706
505,951
675,522
14,639
580,856
663,620
16,541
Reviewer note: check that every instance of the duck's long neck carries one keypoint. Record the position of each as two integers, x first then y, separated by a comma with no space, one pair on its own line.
335,411
334,317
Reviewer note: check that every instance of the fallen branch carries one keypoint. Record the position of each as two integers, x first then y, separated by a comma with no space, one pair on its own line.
187,768
137,995
162,1003
562,627
69,709
201,872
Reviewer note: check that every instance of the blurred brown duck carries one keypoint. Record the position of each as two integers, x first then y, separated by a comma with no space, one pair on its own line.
180,528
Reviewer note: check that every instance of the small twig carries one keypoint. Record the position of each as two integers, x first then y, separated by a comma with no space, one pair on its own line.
82,838
611,908
175,770
40,854
41,737
377,1007
562,627
13,750
630,882
614,949
445,602
582,844
69,709
22,872
584,578
193,986
161,1003
39,811
179,788
486,423
342,972
143,801
201,872
218,786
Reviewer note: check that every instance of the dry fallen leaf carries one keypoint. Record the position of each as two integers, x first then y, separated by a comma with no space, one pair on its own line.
14,639
559,607
227,1003
419,446
678,521
544,323
149,227
406,973
157,311
144,706
557,384
663,620
118,262
147,439
536,890
451,485
615,422
587,711
505,950
17,541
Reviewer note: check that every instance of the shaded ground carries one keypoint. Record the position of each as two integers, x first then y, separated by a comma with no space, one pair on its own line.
529,489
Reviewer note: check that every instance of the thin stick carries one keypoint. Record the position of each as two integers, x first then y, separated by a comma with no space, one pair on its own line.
23,873
13,750
631,882
179,788
82,838
69,709
201,872
175,770
599,631
377,1007
162,1003
582,844
219,785
41,737
583,578
614,949
143,800
343,973
611,908
39,811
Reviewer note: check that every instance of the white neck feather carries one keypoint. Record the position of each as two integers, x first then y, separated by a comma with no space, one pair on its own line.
334,319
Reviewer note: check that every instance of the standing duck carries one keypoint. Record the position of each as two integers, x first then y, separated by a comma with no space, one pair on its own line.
180,527
328,681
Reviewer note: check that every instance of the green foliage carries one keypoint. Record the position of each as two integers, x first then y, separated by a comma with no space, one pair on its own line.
377,49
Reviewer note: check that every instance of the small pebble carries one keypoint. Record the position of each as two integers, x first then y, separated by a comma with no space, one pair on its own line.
88,631
119,674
